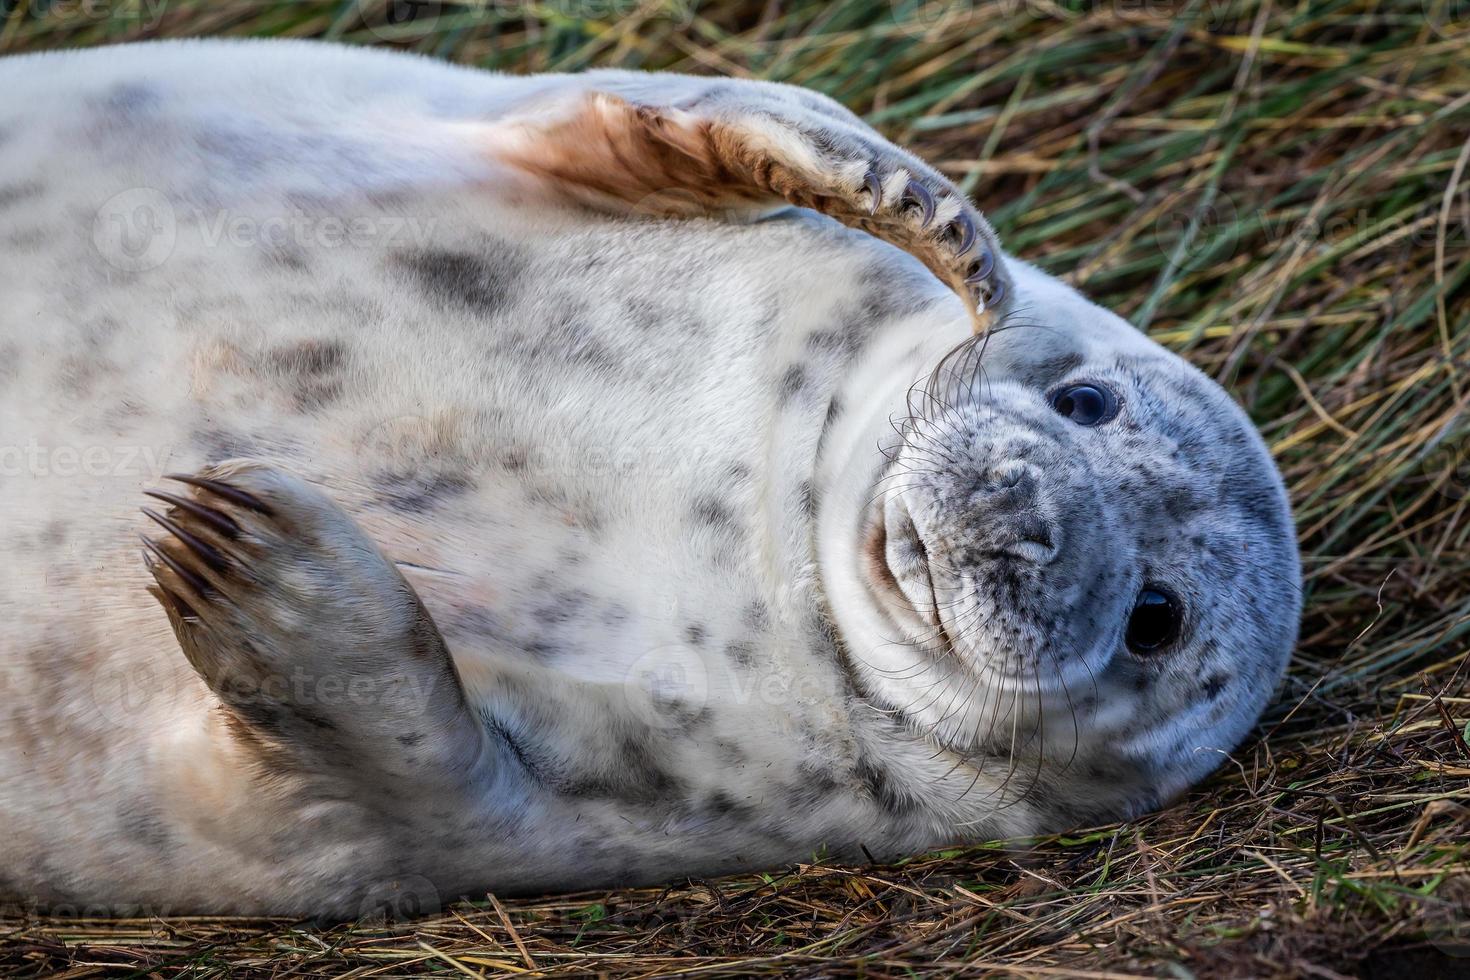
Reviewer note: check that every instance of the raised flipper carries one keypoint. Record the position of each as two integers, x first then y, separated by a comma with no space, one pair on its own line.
741,145
309,636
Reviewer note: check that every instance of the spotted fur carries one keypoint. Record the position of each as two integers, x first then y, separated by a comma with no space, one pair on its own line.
523,538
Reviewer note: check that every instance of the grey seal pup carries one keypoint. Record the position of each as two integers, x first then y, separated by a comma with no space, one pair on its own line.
569,481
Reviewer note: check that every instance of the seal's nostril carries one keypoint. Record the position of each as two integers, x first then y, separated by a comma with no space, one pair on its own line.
1008,476
1005,477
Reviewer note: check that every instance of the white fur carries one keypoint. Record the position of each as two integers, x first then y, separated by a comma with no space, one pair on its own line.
584,440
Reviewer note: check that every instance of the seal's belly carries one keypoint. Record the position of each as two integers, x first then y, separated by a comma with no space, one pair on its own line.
588,443
584,438
588,452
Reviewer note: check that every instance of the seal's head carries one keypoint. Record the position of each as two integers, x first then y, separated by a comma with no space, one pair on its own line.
1086,547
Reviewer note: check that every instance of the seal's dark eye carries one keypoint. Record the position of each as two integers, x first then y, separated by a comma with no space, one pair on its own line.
1085,404
1154,623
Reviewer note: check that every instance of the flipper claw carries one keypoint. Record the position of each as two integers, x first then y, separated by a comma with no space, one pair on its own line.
875,190
919,194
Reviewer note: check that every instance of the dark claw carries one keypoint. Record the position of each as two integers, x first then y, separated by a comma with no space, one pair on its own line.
875,188
997,294
224,490
983,268
203,549
919,194
195,582
967,232
168,596
213,518
185,610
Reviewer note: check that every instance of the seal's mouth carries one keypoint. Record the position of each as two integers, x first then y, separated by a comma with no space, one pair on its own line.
962,580
899,573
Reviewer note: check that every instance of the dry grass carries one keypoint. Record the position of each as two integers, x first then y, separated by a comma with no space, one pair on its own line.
1278,189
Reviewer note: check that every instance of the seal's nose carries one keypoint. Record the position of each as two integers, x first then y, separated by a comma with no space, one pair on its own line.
1006,503
1010,482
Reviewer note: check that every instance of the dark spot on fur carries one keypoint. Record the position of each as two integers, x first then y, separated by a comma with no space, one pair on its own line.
140,822
878,784
638,778
696,634
284,255
311,357
410,738
312,370
479,282
569,339
53,534
685,716
647,779
731,754
1181,504
483,626
722,804
791,384
218,445
13,194
130,98
562,607
27,238
831,341
713,513
412,493
741,652
1215,684
834,412
822,780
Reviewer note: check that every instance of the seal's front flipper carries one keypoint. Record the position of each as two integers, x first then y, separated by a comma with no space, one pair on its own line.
741,145
306,632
